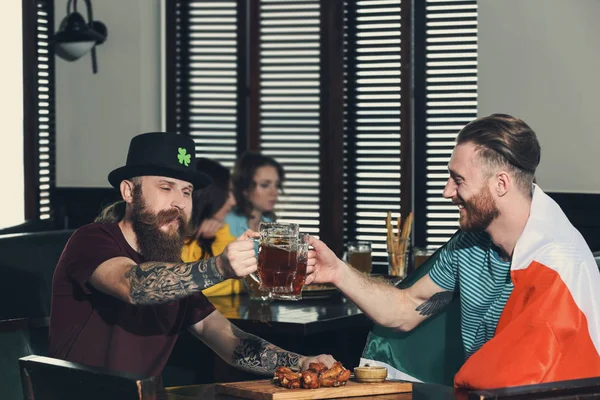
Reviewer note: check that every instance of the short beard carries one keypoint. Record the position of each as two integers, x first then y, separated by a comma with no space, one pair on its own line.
480,211
154,244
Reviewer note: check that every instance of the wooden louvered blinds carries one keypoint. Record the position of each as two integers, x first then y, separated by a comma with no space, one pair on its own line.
289,103
202,70
289,52
39,107
446,81
376,51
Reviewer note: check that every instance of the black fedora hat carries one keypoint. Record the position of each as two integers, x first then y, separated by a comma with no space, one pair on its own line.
161,154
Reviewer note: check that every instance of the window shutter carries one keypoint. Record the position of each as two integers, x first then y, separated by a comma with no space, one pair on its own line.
289,103
451,102
205,76
373,120
43,108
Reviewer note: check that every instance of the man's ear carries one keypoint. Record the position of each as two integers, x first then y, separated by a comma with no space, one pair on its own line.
503,183
127,188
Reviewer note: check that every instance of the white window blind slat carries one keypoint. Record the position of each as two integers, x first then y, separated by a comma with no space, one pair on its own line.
451,90
212,78
373,157
289,104
45,109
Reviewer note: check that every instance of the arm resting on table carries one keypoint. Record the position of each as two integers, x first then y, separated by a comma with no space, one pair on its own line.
246,351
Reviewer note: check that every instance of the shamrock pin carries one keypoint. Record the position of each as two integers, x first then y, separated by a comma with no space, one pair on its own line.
183,157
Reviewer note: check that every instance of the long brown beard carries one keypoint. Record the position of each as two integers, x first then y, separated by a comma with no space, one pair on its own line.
480,211
153,243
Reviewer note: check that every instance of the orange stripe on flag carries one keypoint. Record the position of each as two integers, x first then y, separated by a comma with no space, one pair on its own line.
542,336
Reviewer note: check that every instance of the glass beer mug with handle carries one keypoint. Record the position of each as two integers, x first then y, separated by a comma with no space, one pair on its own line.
282,257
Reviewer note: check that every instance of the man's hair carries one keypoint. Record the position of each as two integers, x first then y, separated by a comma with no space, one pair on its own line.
503,141
115,212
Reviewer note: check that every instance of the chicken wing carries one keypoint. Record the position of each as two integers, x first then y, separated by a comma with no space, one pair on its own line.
328,382
310,380
343,376
332,372
317,367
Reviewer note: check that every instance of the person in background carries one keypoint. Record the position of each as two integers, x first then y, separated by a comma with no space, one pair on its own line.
257,180
209,234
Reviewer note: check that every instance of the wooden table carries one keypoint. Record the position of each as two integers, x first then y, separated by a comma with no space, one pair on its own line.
420,392
587,388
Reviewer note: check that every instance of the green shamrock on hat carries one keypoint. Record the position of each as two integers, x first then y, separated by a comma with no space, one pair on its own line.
183,157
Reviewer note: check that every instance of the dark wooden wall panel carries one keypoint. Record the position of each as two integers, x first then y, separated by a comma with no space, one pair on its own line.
583,212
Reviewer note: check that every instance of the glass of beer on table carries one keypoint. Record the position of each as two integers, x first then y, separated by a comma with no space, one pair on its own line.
282,258
359,256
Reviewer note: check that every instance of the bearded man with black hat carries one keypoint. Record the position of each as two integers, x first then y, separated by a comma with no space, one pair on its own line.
121,294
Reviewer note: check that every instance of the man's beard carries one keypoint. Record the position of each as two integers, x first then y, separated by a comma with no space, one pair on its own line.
480,210
153,243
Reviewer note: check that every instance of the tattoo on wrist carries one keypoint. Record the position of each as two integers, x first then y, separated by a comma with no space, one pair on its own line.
258,356
155,283
435,303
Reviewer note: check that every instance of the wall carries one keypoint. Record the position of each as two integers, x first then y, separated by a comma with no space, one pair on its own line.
11,97
97,115
540,60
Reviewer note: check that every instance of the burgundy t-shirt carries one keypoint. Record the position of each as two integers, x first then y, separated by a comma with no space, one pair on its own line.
96,329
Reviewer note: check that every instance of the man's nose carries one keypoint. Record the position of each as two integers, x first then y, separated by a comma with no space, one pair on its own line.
179,201
450,189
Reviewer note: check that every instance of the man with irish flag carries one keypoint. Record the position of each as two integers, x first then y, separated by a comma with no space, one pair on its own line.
524,284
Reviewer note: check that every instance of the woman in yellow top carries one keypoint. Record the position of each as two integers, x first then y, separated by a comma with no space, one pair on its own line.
209,234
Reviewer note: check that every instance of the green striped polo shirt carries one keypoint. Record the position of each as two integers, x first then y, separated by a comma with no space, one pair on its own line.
470,265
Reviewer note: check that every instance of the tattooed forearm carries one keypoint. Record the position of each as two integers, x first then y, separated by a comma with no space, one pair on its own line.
155,282
258,356
435,303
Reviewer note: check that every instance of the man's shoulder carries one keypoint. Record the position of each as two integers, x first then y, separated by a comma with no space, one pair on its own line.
96,228
94,233
469,241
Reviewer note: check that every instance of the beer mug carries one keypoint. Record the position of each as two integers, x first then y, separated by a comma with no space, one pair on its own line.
359,256
282,258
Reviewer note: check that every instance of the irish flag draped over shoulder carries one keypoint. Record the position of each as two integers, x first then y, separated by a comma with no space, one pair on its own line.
550,327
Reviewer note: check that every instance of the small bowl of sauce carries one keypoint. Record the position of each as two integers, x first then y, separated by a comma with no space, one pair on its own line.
370,374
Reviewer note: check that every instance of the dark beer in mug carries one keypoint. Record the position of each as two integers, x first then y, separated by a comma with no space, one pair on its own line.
277,269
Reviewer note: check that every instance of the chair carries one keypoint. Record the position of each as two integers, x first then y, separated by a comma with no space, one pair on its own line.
14,344
32,225
433,351
27,266
45,378
588,388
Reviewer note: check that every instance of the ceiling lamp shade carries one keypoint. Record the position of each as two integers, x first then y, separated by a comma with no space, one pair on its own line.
76,37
